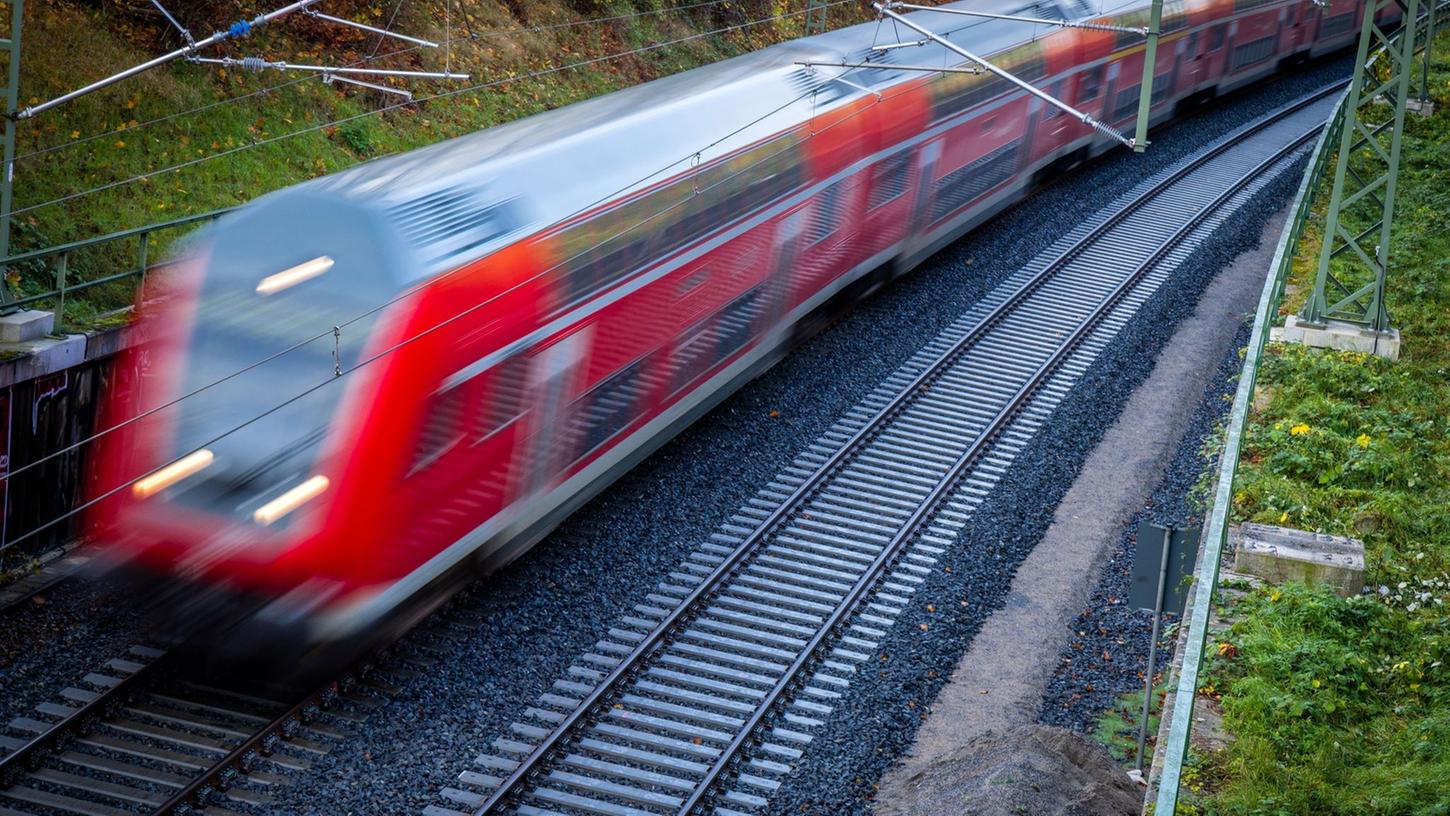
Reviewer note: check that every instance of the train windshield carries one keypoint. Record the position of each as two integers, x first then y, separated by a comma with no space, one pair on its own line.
262,352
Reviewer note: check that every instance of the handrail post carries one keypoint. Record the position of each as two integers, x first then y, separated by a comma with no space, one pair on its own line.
141,279
7,161
60,271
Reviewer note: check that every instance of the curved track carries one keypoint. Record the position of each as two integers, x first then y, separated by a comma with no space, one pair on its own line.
702,699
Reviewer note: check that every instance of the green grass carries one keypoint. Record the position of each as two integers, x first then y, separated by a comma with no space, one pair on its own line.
103,140
1117,728
1342,706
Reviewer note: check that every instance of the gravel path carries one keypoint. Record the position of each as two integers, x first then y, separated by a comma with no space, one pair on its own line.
553,603
1000,682
1083,685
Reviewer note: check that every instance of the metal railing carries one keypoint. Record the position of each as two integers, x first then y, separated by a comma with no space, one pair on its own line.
1175,748
107,252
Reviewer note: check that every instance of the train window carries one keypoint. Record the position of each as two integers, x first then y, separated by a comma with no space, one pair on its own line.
1053,111
955,92
692,355
1089,84
827,214
1126,102
507,394
737,320
1134,20
1338,24
1252,53
613,244
1175,17
1162,87
1215,38
444,423
971,180
888,179
611,405
1193,46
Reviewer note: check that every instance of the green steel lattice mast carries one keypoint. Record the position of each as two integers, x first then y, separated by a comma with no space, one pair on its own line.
1349,283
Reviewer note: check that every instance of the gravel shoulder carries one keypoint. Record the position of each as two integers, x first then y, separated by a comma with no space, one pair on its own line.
1000,682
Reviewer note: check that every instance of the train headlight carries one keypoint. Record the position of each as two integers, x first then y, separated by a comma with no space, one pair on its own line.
275,509
188,465
288,278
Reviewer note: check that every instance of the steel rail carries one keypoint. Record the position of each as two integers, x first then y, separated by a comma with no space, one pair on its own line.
204,787
29,756
240,761
628,666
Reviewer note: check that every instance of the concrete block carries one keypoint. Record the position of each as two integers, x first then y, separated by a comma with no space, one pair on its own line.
1424,107
1336,334
1279,554
36,358
25,325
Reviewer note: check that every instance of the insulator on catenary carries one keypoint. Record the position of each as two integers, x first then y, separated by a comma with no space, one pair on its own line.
253,63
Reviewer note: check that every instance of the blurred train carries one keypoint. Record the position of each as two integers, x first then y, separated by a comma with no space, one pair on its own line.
445,352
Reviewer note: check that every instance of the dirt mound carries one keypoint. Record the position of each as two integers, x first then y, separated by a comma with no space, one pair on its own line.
1032,769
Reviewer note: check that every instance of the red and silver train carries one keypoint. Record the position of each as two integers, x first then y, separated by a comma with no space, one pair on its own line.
445,352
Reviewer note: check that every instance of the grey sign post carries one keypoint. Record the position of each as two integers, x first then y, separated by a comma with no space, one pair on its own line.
1163,558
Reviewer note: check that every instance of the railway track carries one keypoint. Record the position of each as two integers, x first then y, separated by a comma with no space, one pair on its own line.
137,736
702,698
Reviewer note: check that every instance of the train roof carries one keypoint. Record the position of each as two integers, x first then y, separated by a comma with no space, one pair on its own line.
445,199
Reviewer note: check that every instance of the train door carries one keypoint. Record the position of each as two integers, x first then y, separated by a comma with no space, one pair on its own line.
927,160
554,380
1112,83
1192,71
788,244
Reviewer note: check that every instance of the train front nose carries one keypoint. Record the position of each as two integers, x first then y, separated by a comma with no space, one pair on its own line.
225,488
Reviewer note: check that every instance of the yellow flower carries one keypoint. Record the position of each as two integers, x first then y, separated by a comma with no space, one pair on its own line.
1316,682
1299,430
120,143
1362,440
75,134
1284,516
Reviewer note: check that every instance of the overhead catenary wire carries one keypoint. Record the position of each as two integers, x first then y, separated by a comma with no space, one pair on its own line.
407,341
374,55
408,293
440,95
239,29
404,295
430,330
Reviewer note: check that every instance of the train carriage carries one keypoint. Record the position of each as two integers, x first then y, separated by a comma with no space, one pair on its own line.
444,353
